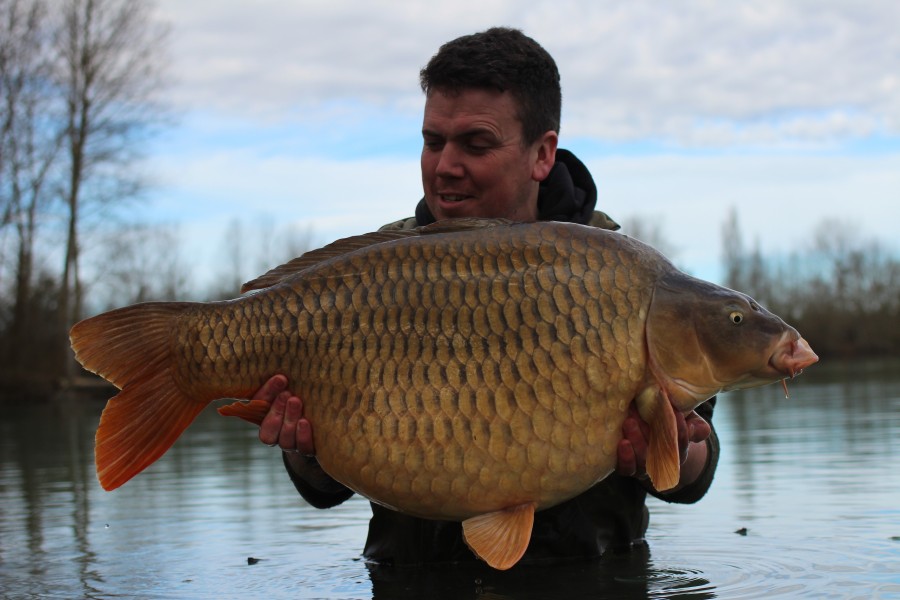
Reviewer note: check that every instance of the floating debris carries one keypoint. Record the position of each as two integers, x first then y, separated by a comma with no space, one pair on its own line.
741,531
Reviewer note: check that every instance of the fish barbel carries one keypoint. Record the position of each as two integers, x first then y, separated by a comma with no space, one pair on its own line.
471,370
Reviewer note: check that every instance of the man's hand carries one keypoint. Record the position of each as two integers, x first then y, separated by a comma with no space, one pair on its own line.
284,425
632,449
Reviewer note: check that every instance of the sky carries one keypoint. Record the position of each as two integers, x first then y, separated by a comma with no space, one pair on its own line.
308,114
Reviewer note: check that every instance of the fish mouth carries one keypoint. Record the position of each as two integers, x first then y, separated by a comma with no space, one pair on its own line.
792,354
790,358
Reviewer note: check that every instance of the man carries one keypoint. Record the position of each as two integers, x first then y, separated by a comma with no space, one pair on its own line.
490,132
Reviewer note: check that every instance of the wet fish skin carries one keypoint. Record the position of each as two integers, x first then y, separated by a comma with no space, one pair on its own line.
458,372
445,408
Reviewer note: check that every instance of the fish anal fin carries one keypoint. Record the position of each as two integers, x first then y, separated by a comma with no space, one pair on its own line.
500,538
253,411
663,460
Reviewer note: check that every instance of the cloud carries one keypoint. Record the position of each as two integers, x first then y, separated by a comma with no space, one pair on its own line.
779,199
690,73
308,113
753,72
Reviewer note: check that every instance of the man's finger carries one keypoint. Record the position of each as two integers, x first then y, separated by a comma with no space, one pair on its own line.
699,429
271,388
625,463
305,443
293,411
270,428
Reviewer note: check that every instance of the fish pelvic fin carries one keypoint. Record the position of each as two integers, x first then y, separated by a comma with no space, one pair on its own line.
132,348
253,411
663,460
500,538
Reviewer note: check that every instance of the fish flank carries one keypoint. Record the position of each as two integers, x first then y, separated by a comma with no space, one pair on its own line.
445,376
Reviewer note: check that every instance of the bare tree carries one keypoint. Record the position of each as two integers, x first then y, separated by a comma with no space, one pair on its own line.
233,259
649,230
144,263
277,244
29,143
733,255
109,73
842,290
273,245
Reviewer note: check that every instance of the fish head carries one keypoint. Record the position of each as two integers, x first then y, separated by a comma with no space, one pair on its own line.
703,339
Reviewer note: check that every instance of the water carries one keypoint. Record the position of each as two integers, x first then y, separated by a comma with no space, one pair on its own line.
806,504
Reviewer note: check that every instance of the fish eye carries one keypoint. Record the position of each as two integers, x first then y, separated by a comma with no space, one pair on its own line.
736,317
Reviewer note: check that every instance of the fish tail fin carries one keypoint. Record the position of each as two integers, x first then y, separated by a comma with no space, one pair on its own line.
132,348
663,459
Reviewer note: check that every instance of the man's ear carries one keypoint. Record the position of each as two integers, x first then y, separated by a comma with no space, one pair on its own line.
545,155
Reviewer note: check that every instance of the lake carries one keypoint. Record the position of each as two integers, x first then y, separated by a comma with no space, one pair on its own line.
806,504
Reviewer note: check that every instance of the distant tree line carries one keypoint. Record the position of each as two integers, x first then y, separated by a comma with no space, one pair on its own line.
79,82
841,291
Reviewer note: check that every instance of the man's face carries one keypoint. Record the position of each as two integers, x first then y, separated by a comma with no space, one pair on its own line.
474,163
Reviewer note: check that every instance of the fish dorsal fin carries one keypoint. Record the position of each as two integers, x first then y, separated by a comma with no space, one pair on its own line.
314,257
663,461
500,538
350,244
461,224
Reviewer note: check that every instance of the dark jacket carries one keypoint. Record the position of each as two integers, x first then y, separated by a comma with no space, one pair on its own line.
612,514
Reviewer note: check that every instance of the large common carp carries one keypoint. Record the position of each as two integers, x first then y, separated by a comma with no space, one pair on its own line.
471,370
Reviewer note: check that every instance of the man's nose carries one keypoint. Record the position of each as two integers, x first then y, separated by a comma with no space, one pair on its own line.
450,163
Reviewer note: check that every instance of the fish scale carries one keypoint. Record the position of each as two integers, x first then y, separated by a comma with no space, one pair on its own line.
509,330
474,370
489,346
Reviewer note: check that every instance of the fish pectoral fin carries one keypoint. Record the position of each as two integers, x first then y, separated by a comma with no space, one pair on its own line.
663,460
500,538
253,411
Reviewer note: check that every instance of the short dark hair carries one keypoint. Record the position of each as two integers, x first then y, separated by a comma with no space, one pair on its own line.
505,60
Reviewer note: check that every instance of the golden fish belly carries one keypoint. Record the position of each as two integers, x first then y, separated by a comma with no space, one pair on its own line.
449,380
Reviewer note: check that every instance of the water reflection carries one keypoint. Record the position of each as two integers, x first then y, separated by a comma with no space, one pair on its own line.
812,481
835,441
622,575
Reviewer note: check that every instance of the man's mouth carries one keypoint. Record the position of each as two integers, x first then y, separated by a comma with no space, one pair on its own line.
452,197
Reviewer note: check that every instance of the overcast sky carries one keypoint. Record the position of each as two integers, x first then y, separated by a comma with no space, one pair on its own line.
309,113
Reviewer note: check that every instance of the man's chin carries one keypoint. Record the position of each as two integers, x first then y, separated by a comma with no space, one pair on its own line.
455,209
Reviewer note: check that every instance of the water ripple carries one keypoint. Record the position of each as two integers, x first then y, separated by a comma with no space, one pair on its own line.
759,568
